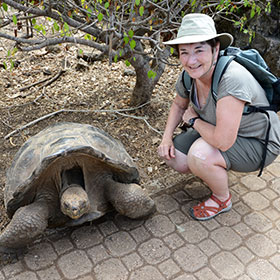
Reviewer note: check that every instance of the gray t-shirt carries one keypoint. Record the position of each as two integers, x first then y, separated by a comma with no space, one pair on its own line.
238,82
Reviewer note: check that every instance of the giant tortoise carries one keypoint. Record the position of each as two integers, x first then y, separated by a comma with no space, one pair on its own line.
66,175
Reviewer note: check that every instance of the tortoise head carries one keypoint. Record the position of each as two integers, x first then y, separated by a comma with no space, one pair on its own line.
74,202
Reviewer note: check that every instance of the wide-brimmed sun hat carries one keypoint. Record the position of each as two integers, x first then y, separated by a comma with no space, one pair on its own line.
196,28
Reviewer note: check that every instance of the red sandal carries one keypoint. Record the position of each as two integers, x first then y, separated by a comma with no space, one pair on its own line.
200,212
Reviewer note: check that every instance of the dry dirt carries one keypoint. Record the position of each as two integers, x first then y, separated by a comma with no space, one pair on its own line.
88,91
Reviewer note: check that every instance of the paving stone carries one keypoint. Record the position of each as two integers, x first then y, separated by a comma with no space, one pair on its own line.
126,223
261,246
276,204
111,269
160,226
229,219
98,253
40,256
275,185
190,258
274,168
242,229
87,277
146,272
226,238
255,201
132,261
178,217
274,235
173,241
166,204
276,260
253,183
262,269
185,277
169,268
208,247
120,243
239,189
227,265
27,275
211,224
206,274
11,269
243,254
271,213
182,197
50,273
193,232
86,237
258,222
244,277
241,208
140,234
154,251
197,190
74,264
108,227
269,193
62,246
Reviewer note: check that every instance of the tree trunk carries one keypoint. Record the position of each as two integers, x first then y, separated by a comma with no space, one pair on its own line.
144,85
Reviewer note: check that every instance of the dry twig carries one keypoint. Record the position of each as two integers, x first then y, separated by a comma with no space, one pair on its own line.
83,111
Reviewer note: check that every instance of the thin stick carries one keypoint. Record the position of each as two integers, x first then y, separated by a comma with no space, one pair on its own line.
34,84
80,111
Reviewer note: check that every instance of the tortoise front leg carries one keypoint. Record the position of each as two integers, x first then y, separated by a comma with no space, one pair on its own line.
27,223
129,199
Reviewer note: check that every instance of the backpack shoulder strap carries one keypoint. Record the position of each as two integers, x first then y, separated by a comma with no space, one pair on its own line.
221,66
187,81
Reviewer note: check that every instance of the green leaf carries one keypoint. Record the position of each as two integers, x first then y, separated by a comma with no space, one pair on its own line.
33,21
87,37
107,4
127,63
80,51
132,44
14,51
126,40
55,26
66,27
15,19
151,74
137,2
5,7
100,17
141,11
116,58
171,50
130,33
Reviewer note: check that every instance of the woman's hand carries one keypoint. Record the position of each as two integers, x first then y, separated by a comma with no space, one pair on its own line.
189,114
166,149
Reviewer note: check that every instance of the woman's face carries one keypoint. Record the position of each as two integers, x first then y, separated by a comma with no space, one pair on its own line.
197,58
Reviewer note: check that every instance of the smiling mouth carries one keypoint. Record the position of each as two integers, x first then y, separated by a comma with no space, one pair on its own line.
194,68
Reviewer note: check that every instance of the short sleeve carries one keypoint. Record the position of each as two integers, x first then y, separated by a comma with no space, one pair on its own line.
239,83
180,89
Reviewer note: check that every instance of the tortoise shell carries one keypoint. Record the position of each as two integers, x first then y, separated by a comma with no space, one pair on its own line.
61,146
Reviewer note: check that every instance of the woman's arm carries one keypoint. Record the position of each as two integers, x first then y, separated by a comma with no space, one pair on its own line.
228,117
166,148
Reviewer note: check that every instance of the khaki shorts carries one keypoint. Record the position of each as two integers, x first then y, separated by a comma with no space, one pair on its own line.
245,155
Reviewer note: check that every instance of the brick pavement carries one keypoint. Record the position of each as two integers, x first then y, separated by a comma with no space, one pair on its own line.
243,244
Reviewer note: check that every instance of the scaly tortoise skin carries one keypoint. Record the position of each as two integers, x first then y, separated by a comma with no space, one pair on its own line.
66,175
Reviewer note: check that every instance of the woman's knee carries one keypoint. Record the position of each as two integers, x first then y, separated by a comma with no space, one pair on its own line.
179,163
204,156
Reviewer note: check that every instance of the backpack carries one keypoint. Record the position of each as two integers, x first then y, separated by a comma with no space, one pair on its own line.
255,64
